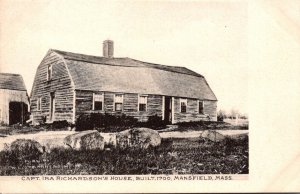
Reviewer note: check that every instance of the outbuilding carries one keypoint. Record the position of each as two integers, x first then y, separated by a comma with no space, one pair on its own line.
14,101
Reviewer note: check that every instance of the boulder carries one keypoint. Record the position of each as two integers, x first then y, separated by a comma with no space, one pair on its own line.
239,136
52,139
25,146
49,140
138,137
109,139
212,136
52,143
85,140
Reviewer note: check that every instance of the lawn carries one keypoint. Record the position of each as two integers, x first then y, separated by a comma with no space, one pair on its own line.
173,156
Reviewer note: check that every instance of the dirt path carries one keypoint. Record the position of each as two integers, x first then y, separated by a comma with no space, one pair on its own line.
191,134
43,136
56,137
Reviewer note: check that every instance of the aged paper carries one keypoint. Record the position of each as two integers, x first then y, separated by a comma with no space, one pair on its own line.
248,51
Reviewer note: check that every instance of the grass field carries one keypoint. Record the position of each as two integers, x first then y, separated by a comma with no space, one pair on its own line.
173,156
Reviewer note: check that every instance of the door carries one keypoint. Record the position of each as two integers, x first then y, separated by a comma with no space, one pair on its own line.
18,112
168,109
52,106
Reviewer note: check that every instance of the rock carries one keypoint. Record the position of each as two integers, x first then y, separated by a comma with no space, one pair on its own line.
239,136
109,139
25,146
138,137
85,140
49,140
52,140
212,136
52,143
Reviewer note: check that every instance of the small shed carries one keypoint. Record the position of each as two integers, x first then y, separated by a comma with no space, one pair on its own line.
14,100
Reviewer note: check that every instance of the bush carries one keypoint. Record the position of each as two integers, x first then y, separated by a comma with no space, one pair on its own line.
84,122
21,151
104,122
153,122
55,125
156,121
60,124
114,123
193,123
220,118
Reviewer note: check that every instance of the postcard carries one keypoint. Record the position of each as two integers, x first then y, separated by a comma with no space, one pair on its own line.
149,96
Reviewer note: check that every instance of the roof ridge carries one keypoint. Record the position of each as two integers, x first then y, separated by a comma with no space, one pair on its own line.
12,74
168,66
115,62
61,52
154,63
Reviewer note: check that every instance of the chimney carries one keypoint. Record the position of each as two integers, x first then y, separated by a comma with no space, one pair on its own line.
108,49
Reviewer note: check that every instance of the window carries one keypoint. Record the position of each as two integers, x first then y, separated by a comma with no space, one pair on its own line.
49,73
39,104
98,100
142,103
183,104
201,107
118,102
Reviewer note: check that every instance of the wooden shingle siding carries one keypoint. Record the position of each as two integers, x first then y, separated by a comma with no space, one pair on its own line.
154,105
60,85
108,102
210,108
84,100
192,111
130,103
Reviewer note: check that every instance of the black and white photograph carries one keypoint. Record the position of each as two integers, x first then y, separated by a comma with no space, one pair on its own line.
135,90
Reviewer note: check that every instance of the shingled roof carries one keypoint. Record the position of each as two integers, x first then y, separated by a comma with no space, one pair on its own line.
12,82
133,76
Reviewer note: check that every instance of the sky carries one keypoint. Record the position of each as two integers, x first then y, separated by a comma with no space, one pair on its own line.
208,37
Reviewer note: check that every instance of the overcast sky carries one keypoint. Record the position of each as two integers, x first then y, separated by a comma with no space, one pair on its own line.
207,37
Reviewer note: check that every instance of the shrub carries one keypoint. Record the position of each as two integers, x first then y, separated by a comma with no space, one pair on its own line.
220,118
84,122
55,125
60,124
153,122
156,121
22,151
193,123
104,122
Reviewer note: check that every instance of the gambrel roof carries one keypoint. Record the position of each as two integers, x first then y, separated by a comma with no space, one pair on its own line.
12,82
132,76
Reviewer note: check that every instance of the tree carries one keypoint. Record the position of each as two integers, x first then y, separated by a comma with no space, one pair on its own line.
221,115
234,113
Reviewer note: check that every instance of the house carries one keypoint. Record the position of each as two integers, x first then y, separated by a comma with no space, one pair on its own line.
14,101
67,85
